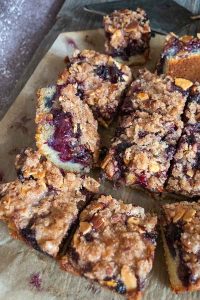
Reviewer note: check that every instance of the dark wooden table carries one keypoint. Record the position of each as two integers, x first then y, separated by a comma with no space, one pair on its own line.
70,18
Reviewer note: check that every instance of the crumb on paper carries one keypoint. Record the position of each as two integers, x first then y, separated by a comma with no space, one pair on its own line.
36,281
89,40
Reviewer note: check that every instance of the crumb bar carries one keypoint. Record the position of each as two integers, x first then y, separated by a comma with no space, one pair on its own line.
181,239
142,150
66,130
185,174
157,94
113,245
41,206
128,35
181,57
96,79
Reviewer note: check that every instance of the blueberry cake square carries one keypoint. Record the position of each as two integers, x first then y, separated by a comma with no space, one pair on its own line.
185,171
128,35
96,79
114,245
149,128
181,238
157,94
141,151
181,57
66,130
43,204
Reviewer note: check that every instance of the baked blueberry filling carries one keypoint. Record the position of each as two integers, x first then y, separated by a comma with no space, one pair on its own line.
120,287
173,233
111,73
66,141
118,156
29,235
134,47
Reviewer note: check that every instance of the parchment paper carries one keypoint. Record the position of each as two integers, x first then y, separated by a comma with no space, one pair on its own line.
26,274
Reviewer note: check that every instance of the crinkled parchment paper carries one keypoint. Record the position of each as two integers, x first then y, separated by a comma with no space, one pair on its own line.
24,273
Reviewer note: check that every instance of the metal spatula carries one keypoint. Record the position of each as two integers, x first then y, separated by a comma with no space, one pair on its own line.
165,15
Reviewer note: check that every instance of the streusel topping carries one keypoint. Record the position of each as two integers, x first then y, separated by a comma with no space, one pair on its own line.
114,244
185,175
96,79
44,202
125,26
157,94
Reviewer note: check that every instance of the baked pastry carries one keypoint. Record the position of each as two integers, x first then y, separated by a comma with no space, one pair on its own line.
141,151
184,177
157,94
181,239
185,172
128,35
66,130
180,57
96,79
42,205
113,245
149,128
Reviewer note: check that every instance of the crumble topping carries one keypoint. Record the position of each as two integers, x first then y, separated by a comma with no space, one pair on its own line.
96,79
114,244
157,94
127,32
185,175
142,150
185,235
41,206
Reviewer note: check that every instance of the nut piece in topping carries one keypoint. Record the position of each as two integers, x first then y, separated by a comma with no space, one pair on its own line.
180,57
128,35
117,252
41,206
181,238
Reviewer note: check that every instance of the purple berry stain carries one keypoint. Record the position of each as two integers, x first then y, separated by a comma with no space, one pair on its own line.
72,43
36,281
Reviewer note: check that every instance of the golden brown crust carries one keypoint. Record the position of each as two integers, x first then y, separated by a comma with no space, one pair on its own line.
42,205
181,57
114,245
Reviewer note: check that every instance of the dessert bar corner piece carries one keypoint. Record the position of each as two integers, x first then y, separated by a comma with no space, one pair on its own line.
113,245
184,177
42,205
181,239
66,130
96,79
128,35
181,57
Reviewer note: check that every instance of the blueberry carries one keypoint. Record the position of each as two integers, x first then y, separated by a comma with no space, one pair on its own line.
111,73
120,288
